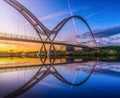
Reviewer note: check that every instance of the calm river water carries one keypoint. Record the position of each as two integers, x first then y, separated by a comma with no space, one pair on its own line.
58,78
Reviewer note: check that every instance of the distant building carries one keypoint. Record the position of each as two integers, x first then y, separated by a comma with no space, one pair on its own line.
23,54
78,49
70,48
11,51
111,51
86,49
63,48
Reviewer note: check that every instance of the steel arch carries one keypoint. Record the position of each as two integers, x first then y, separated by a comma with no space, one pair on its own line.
39,27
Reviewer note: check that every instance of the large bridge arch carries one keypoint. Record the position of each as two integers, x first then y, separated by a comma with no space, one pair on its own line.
39,27
36,24
63,22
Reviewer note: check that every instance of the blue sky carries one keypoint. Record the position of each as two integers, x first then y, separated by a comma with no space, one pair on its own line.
100,14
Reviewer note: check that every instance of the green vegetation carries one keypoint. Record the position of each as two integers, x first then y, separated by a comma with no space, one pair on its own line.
102,52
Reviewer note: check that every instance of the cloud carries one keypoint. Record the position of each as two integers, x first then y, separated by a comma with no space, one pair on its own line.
104,34
54,15
108,32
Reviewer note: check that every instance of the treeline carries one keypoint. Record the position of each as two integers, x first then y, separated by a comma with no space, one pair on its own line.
100,52
113,50
117,48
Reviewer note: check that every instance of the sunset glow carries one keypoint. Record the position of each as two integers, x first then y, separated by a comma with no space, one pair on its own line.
17,46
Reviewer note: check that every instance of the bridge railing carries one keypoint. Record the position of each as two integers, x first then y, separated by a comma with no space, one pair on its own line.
15,36
30,38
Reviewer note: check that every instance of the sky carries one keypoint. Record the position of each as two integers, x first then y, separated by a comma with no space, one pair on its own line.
100,15
7,46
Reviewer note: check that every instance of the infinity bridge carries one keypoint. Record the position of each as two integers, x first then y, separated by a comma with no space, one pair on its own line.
15,37
50,35
41,30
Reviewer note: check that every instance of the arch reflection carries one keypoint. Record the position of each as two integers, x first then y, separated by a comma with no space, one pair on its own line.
52,69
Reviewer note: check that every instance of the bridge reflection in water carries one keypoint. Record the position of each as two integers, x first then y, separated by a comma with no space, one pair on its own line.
19,78
72,72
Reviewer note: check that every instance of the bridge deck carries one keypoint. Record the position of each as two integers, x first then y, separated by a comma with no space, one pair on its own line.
13,37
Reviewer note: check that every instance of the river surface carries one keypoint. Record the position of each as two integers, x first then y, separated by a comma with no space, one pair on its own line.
58,78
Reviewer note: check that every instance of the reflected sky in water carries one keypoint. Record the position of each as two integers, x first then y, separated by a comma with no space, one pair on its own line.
69,79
